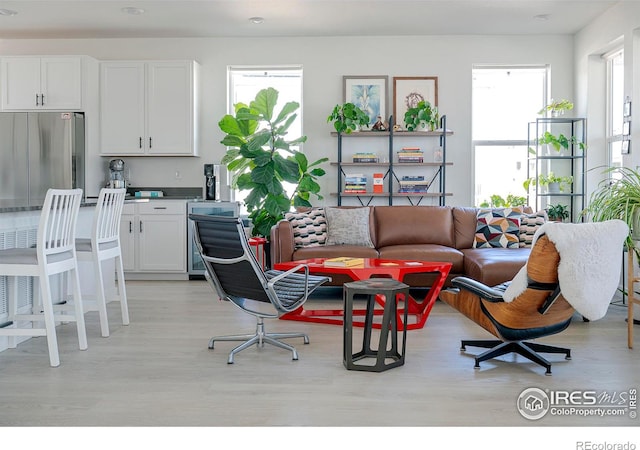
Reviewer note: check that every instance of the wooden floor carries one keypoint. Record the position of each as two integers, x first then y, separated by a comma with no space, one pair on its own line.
158,371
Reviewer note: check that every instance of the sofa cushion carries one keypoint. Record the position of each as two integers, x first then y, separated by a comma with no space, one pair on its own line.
498,228
309,227
425,252
348,226
407,225
529,224
493,266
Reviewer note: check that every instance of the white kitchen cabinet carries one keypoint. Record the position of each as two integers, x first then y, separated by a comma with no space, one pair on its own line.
42,83
148,108
153,236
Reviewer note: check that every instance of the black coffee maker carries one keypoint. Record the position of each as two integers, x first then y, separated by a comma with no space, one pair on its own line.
211,181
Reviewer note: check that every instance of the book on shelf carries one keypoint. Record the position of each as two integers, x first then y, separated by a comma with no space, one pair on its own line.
365,157
343,261
378,182
412,178
410,149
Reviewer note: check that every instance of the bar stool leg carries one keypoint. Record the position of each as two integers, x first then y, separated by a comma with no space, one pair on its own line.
100,297
12,341
79,310
49,320
122,291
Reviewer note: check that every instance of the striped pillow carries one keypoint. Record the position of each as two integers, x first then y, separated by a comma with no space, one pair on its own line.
309,228
529,224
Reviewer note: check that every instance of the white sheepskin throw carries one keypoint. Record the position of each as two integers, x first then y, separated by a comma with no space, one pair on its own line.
590,264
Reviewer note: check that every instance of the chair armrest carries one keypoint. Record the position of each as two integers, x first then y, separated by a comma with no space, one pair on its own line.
480,289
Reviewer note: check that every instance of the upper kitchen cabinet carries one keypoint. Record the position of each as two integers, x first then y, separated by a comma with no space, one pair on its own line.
148,108
41,83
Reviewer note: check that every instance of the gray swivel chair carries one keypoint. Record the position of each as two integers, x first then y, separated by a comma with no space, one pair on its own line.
235,274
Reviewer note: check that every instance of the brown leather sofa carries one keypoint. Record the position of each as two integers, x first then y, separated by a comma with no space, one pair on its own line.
427,233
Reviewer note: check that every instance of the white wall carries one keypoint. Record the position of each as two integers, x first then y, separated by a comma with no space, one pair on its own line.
324,61
619,25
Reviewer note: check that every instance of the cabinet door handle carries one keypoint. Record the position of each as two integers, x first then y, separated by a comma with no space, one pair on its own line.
159,207
41,99
141,226
140,143
37,104
149,142
130,227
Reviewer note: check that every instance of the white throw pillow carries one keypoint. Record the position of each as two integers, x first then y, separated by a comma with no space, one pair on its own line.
348,226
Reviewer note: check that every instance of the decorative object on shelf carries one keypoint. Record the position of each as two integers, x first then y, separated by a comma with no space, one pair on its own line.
420,117
555,184
261,159
618,197
397,127
348,118
437,155
380,125
557,108
409,91
558,213
369,93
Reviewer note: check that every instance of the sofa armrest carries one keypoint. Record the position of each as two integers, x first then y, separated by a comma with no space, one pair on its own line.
282,246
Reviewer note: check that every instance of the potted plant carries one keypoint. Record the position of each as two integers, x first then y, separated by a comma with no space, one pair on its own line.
553,182
558,213
420,116
559,142
261,160
557,108
348,118
618,197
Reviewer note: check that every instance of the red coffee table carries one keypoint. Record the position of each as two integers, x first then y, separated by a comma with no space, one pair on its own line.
371,268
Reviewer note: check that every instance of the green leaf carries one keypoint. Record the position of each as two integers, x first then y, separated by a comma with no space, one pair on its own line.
264,103
287,109
233,141
263,174
230,125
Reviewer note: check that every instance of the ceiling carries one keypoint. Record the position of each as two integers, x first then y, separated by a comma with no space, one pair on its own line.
291,18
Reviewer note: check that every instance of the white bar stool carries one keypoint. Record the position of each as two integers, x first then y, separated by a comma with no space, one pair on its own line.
54,254
103,245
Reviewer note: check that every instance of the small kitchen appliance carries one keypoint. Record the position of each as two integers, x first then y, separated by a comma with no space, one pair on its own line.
116,174
211,182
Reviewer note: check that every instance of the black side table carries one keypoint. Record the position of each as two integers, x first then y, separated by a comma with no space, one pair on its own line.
386,357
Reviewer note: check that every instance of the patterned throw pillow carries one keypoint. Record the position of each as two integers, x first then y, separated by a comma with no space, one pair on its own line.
529,224
348,226
498,227
309,228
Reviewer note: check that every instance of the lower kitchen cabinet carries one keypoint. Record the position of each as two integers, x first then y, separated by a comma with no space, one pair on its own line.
153,237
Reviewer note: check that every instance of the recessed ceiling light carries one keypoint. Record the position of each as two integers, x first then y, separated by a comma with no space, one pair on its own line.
133,10
256,20
542,17
8,12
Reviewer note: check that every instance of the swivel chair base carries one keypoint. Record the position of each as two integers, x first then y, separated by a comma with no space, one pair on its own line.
527,349
260,338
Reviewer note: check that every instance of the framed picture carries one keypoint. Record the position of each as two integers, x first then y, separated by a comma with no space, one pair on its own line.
369,93
626,147
408,91
627,108
626,128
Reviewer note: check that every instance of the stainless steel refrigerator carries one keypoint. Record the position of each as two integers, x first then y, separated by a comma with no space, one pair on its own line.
38,151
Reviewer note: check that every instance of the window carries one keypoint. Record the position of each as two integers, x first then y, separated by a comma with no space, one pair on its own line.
245,82
615,106
504,100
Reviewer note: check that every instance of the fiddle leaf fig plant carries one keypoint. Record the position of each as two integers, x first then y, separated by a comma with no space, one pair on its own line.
262,160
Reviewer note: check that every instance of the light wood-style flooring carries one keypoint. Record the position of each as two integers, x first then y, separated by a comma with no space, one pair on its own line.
158,371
